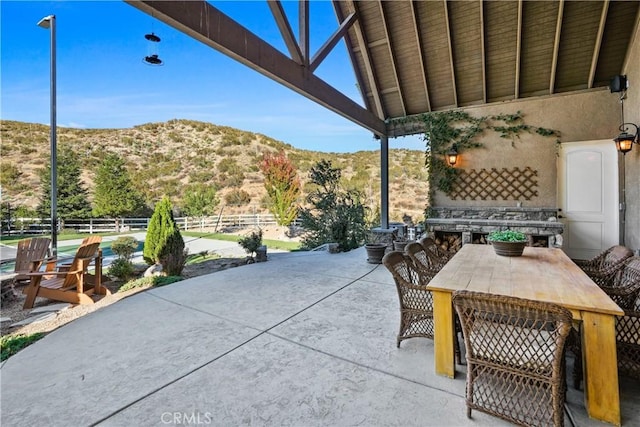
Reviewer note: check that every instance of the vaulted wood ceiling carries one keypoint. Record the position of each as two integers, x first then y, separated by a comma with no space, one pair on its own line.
412,57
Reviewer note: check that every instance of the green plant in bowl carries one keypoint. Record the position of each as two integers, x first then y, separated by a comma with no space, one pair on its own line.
507,236
508,242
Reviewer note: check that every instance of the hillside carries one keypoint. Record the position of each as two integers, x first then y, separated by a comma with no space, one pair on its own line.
164,157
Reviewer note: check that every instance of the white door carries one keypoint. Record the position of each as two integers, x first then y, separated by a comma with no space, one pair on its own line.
588,197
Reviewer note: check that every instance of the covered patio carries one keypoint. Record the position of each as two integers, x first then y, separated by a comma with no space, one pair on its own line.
552,62
303,339
309,338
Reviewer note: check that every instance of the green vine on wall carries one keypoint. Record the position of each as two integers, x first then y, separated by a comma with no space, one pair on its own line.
443,129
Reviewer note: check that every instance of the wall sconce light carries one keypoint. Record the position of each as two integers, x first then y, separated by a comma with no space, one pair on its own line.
452,155
624,141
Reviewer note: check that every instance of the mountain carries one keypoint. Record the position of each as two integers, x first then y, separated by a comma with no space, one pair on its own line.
163,158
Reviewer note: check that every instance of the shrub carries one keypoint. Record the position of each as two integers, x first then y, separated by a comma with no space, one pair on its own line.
237,197
164,243
121,268
161,225
173,254
155,281
124,247
251,242
338,215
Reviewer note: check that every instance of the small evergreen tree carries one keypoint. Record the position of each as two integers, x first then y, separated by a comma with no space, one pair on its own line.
163,243
72,200
114,194
337,215
172,255
283,186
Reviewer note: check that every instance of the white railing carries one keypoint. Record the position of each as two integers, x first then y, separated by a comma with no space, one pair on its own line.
105,225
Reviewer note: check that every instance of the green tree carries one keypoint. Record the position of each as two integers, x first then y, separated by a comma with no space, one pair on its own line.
72,200
200,200
337,215
163,243
114,194
283,186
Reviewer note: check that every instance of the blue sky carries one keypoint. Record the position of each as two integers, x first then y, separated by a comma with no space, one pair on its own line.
103,83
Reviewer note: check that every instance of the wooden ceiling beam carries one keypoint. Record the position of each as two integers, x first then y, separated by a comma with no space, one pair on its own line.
203,22
414,18
332,41
303,25
285,30
516,91
392,57
351,51
632,40
483,54
596,47
556,48
368,65
453,70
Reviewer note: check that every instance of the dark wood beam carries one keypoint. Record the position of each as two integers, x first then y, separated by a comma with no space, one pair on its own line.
205,23
303,25
285,29
332,41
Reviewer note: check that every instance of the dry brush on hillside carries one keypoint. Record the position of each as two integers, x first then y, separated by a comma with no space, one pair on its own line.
163,158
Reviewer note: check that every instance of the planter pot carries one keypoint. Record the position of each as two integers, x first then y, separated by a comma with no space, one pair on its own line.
375,252
261,253
508,248
399,245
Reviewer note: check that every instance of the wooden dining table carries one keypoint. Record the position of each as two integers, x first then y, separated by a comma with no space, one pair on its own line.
540,274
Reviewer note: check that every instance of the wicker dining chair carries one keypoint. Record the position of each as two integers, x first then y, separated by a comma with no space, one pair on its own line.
625,286
432,247
424,260
515,357
416,302
625,291
602,268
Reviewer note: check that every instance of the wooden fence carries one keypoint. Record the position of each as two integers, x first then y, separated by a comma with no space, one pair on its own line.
103,225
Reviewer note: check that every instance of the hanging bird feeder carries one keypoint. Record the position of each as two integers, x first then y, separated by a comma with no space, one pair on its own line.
152,57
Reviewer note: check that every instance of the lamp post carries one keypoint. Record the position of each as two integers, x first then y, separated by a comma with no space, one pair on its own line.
49,22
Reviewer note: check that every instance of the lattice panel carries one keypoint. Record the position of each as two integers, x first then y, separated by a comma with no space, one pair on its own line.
494,184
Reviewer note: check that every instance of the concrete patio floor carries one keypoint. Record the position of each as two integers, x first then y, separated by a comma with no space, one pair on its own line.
305,339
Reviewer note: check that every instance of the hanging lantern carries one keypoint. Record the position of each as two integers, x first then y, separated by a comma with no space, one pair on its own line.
152,57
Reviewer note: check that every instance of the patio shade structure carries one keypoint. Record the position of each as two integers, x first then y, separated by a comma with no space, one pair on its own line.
414,57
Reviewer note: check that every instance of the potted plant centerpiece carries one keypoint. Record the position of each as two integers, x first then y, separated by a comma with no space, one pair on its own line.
508,242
